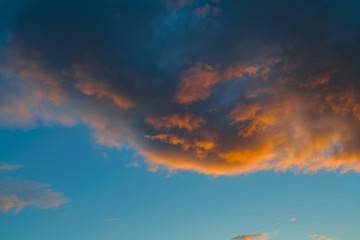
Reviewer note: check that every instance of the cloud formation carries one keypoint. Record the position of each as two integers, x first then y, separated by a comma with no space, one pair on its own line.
321,237
5,166
15,196
189,122
259,236
100,89
189,91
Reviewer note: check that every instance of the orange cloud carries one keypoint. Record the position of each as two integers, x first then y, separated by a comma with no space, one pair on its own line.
344,101
313,235
172,139
271,124
88,86
188,121
36,94
101,90
320,237
197,81
288,131
27,109
244,112
201,147
260,236
56,93
317,80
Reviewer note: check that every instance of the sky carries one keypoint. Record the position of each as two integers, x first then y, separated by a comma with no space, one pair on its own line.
179,119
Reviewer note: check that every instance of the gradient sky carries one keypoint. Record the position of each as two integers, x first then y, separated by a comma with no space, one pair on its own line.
179,119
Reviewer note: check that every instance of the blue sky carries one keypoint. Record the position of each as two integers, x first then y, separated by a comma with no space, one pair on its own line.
179,119
101,183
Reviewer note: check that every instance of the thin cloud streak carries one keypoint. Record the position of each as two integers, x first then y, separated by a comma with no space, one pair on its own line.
112,219
321,237
15,196
259,236
5,166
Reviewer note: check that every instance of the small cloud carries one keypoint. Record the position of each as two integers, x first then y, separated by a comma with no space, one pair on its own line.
88,86
293,219
178,3
189,122
321,237
216,10
202,12
5,166
15,196
259,236
112,219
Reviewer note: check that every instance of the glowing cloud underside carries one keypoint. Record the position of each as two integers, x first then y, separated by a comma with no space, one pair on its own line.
283,106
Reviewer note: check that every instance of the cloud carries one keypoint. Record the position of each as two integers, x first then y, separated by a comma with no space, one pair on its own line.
15,196
259,236
112,219
318,237
243,112
219,96
88,86
5,166
189,122
172,139
195,83
178,3
199,146
293,219
203,11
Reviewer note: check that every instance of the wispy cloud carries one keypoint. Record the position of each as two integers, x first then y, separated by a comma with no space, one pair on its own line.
189,122
15,196
89,86
112,219
5,166
321,237
259,236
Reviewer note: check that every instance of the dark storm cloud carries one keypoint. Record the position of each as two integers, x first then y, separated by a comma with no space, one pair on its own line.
217,87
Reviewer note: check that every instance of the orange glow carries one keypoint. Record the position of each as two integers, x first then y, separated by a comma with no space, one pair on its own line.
189,122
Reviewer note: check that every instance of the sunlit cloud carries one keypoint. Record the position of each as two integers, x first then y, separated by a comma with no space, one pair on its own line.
321,237
274,106
89,86
259,236
189,122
